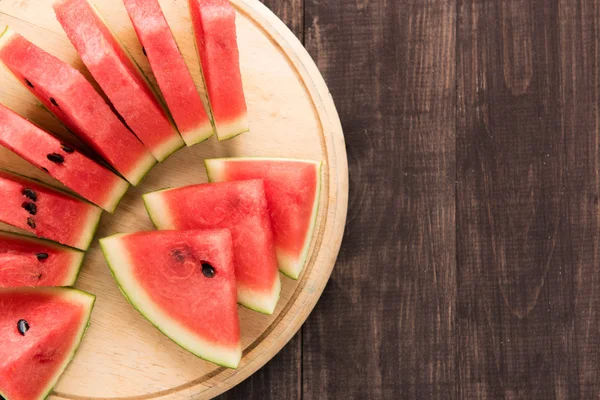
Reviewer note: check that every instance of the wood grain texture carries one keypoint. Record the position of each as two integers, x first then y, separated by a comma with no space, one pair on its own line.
522,173
384,327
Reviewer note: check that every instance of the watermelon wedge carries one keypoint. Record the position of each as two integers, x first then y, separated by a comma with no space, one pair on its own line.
40,330
85,177
183,282
119,76
27,261
240,207
46,211
216,41
292,188
72,99
170,70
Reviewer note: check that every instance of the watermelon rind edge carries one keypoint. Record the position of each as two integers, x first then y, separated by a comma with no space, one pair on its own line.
104,246
268,303
80,336
153,203
214,171
89,307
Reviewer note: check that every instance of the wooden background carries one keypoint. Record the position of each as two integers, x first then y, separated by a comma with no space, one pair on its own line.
470,265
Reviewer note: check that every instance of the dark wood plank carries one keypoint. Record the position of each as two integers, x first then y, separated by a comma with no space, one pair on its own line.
280,378
526,179
291,12
384,326
580,83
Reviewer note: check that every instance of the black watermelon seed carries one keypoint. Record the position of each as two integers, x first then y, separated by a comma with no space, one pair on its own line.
66,148
44,169
144,51
55,157
41,256
39,276
22,326
31,223
30,207
208,270
53,101
30,194
28,83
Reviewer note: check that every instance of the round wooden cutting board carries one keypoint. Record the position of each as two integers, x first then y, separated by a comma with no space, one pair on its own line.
291,115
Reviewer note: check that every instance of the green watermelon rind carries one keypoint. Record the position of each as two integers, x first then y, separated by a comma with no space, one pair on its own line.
139,305
214,172
176,142
93,219
266,305
136,174
78,255
153,203
68,293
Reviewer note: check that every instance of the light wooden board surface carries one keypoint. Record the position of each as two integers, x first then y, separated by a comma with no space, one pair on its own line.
291,115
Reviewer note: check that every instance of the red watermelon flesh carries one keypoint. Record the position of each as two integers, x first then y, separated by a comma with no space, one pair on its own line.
215,33
240,207
118,76
292,188
184,283
80,174
170,70
33,358
68,95
59,216
27,261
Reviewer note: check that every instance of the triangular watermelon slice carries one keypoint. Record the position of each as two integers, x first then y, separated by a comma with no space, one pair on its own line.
27,261
46,211
72,99
169,68
119,76
61,161
40,330
184,283
292,188
240,207
216,42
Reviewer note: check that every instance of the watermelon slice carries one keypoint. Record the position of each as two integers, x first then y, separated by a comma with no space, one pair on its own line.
85,177
216,41
67,94
170,70
240,207
119,76
27,261
184,283
40,330
46,211
292,188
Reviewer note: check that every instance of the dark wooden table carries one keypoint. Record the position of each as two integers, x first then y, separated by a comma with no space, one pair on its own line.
470,266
